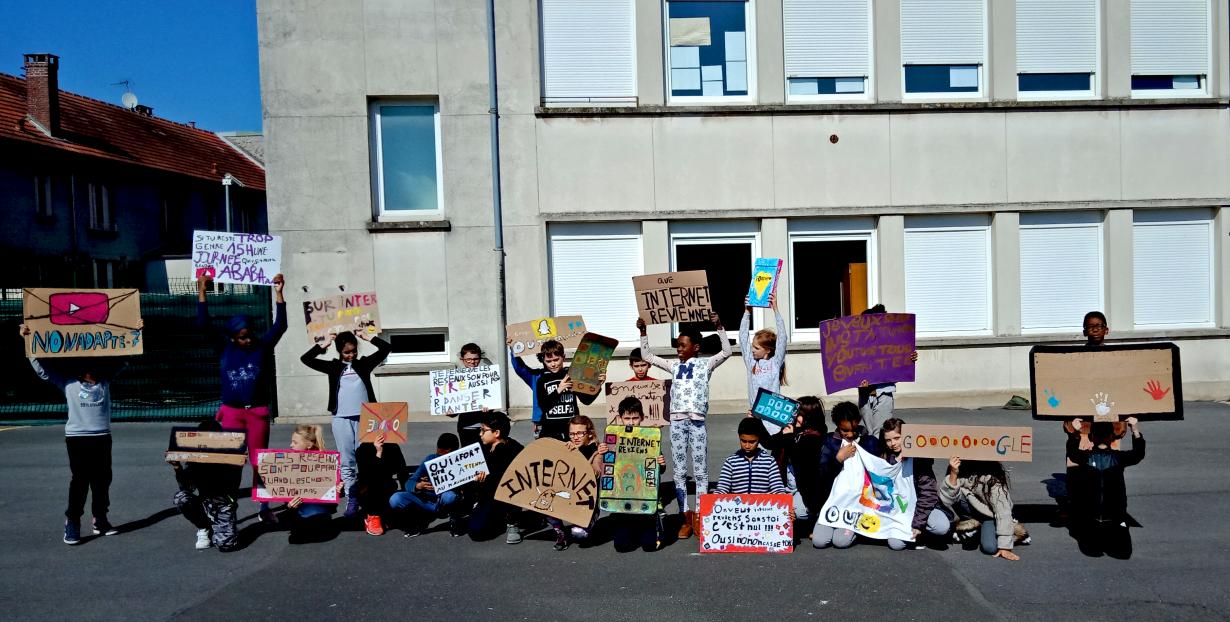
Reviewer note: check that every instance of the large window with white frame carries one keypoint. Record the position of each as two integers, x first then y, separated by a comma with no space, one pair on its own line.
832,271
1171,52
710,51
1172,268
726,251
827,46
588,51
1057,48
1061,269
943,48
406,167
948,274
591,270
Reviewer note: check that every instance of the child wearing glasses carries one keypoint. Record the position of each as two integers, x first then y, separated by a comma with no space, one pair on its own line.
467,423
582,437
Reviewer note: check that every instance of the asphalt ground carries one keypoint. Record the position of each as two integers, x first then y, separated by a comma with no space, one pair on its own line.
1178,496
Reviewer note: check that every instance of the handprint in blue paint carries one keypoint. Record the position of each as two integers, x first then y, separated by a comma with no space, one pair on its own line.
1051,400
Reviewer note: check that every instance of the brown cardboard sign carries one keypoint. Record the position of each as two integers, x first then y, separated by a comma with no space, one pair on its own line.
655,397
287,474
1107,383
82,322
673,297
971,442
548,478
357,313
527,337
386,417
207,446
589,363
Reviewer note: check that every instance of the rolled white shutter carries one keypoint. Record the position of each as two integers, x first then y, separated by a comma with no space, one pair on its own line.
948,279
591,275
943,32
588,50
1061,270
1170,37
827,38
1056,36
1172,272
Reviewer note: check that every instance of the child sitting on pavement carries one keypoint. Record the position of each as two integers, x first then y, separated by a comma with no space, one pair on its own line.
420,504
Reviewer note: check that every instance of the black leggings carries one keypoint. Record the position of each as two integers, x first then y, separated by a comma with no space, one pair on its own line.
89,460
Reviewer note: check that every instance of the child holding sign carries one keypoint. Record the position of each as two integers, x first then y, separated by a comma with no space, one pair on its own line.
309,522
765,360
582,437
929,514
421,503
838,448
978,491
207,498
689,405
555,395
876,401
632,530
381,472
1098,492
350,384
499,450
471,357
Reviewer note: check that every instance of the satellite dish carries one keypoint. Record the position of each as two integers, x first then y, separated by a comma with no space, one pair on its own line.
129,99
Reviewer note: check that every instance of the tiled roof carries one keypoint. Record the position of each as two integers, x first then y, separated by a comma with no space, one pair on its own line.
94,128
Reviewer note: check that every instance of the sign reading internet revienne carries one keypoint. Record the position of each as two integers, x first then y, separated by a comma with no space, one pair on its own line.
673,297
874,347
654,395
750,523
240,258
287,473
528,337
1141,380
457,468
972,442
82,322
356,313
466,389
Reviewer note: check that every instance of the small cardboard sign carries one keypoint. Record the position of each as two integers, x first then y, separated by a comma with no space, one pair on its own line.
971,442
386,417
874,347
746,523
629,480
764,281
528,337
774,407
589,363
207,446
655,397
287,473
457,468
673,297
357,313
466,389
240,258
548,478
82,322
1140,380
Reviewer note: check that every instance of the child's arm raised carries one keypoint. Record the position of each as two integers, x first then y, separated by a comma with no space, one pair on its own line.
646,353
383,348
311,357
278,329
523,371
720,357
779,351
745,336
1137,452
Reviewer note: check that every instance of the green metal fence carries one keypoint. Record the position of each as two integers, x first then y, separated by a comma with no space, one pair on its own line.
175,379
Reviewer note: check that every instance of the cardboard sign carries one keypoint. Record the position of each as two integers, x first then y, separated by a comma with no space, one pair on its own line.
673,297
528,337
971,442
82,322
589,363
872,498
746,523
241,258
874,347
457,468
1107,383
287,473
775,407
356,313
629,480
764,281
655,397
386,417
548,478
210,447
466,389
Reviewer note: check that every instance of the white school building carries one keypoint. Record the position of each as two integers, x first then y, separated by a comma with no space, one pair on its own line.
997,167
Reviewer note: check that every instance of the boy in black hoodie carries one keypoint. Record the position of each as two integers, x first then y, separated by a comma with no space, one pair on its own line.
207,498
555,396
1097,492
499,451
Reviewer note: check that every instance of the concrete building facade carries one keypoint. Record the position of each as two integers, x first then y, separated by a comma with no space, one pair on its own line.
931,159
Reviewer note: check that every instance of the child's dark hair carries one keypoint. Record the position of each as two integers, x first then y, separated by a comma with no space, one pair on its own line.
874,310
635,356
749,426
811,409
448,441
996,475
550,347
846,411
345,337
631,404
692,334
469,348
891,425
1102,432
498,422
1095,315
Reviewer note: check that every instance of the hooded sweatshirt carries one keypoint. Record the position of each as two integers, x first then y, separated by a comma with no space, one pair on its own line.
89,403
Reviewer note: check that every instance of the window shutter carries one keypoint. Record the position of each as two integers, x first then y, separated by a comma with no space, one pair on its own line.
1056,36
947,278
1061,269
591,275
1172,270
1170,37
588,50
827,38
942,32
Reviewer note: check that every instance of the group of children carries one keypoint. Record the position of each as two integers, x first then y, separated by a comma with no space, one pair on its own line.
803,459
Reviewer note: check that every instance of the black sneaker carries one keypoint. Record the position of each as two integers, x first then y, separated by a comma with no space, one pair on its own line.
103,527
561,540
455,528
72,531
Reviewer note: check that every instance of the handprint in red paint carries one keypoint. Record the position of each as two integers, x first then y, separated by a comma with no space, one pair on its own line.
1154,389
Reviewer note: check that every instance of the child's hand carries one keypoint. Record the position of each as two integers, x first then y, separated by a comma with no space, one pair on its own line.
1076,425
482,475
140,323
339,488
788,430
294,503
747,308
379,443
844,453
278,283
773,301
715,319
362,334
566,383
1131,422
916,532
485,409
603,448
661,460
602,378
202,282
23,330
914,356
537,429
1008,555
176,465
450,413
329,340
954,465
640,325
425,486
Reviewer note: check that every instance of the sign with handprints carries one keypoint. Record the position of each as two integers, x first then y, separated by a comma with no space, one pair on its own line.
1106,383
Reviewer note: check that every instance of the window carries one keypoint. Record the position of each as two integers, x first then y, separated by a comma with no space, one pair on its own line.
406,154
429,345
726,251
105,271
1172,268
948,273
828,49
943,48
830,271
101,218
42,196
710,50
1056,48
1061,269
1170,48
592,266
588,51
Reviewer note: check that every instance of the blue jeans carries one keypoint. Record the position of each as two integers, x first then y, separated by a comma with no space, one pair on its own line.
446,503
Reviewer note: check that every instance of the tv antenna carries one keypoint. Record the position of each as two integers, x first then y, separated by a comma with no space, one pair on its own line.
129,99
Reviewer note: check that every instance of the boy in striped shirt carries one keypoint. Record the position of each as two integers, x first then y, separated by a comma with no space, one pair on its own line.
752,469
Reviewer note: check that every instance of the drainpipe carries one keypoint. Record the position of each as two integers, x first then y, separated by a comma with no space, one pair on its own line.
497,214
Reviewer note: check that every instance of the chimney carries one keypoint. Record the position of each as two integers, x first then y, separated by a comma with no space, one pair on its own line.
43,90
143,110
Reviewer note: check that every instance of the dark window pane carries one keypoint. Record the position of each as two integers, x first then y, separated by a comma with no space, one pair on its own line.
936,79
723,17
1053,82
729,267
819,271
417,343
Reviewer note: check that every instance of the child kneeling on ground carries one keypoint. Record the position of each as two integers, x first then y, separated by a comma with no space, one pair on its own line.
309,522
930,516
207,498
1098,492
978,492
632,530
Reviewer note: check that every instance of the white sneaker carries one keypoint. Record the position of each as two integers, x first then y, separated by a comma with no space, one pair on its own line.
202,539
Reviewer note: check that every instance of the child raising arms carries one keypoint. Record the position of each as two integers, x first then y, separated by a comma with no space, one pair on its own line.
765,356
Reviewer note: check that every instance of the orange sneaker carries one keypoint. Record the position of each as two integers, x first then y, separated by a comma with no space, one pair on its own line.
372,523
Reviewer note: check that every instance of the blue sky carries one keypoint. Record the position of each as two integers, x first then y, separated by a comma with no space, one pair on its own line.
191,60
